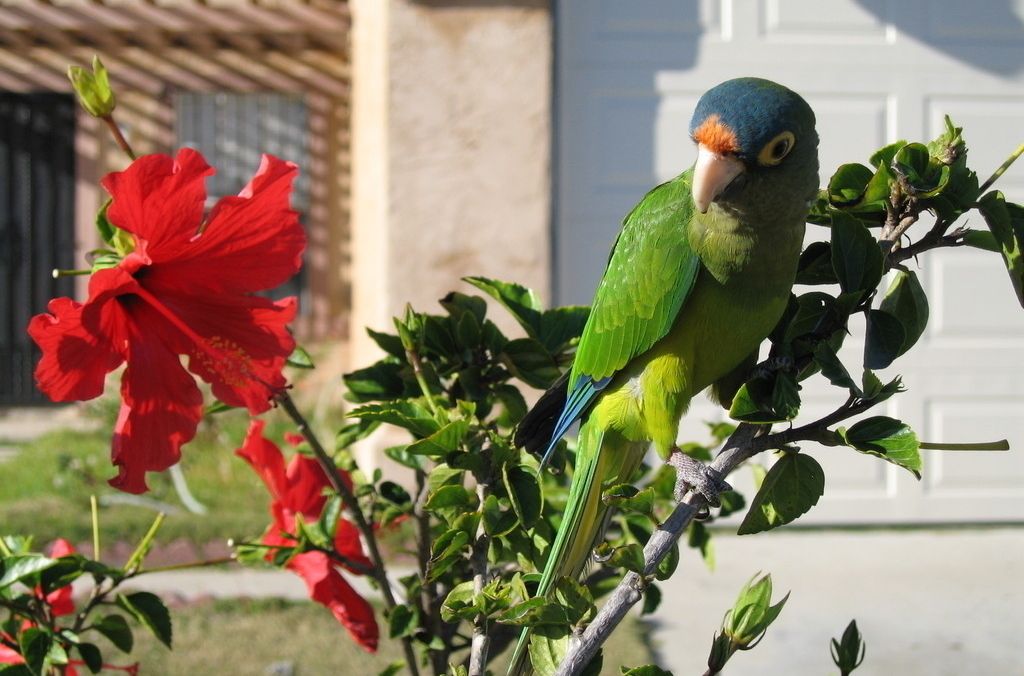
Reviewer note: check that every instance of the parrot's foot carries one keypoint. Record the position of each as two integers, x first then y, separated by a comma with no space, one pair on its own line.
694,475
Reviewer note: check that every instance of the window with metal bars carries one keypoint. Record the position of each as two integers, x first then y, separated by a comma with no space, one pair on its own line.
232,130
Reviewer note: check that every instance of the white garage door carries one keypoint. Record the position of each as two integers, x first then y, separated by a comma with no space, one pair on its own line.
628,76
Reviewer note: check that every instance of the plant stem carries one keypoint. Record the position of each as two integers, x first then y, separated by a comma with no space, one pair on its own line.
183,566
115,131
379,572
478,563
95,527
1002,169
1001,445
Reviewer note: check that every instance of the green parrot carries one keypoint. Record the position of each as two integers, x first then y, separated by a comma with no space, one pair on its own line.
698,277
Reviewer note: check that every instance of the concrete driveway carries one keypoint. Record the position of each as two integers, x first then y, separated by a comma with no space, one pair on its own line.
929,603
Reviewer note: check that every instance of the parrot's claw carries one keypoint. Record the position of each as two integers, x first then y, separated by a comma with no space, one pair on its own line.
694,475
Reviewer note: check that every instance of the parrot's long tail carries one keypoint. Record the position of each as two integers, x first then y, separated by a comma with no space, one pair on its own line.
602,460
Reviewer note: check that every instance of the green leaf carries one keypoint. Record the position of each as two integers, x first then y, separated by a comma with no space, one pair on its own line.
627,498
576,599
906,301
815,265
459,604
767,398
353,432
441,442
982,239
886,438
998,217
34,645
856,257
885,155
393,669
548,646
652,599
791,487
885,337
530,361
403,621
847,185
451,497
300,358
630,557
833,369
646,670
524,492
378,382
752,613
699,537
92,656
18,568
520,301
117,631
848,654
388,342
406,414
560,326
149,610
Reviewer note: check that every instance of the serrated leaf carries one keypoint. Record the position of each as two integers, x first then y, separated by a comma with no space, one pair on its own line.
150,611
521,302
833,369
524,492
561,325
791,487
442,442
117,631
34,644
378,382
886,438
847,185
406,414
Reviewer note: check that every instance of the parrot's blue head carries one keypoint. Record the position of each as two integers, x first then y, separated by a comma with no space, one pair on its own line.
757,149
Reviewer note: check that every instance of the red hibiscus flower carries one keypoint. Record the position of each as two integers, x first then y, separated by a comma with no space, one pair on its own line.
186,289
298,492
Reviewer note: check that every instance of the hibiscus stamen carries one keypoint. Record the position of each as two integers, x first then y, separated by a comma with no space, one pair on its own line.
224,357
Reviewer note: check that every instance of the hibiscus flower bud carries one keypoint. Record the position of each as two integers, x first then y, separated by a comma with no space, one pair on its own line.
93,89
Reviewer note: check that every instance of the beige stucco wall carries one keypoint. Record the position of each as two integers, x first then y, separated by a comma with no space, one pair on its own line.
451,151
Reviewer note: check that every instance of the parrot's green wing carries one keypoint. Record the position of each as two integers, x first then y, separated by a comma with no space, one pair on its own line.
651,272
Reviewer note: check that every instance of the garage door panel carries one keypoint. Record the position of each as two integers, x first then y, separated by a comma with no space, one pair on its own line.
875,71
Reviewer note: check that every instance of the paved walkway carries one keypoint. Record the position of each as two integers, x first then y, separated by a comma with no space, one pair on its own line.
929,603
935,603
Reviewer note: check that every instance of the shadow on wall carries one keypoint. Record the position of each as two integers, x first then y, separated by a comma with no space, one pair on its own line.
954,28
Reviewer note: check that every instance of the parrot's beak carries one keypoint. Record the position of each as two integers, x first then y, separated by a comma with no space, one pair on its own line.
712,174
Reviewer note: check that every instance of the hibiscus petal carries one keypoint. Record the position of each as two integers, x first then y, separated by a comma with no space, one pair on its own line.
327,587
76,358
249,243
250,344
306,483
160,410
348,544
160,200
265,457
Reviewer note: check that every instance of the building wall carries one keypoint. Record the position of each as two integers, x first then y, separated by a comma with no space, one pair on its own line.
451,151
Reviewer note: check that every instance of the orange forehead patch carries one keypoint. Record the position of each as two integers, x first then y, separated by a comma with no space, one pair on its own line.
716,136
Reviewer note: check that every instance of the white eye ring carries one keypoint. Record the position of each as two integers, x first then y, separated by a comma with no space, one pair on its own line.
776,150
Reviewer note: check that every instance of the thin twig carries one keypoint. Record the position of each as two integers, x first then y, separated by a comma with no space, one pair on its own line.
115,131
1002,169
379,572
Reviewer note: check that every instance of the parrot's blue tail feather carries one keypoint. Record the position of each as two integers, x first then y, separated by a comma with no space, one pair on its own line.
580,397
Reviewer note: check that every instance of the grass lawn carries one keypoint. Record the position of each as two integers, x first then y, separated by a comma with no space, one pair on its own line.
45,488
251,636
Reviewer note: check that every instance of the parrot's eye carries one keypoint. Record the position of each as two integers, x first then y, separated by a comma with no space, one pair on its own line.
776,149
